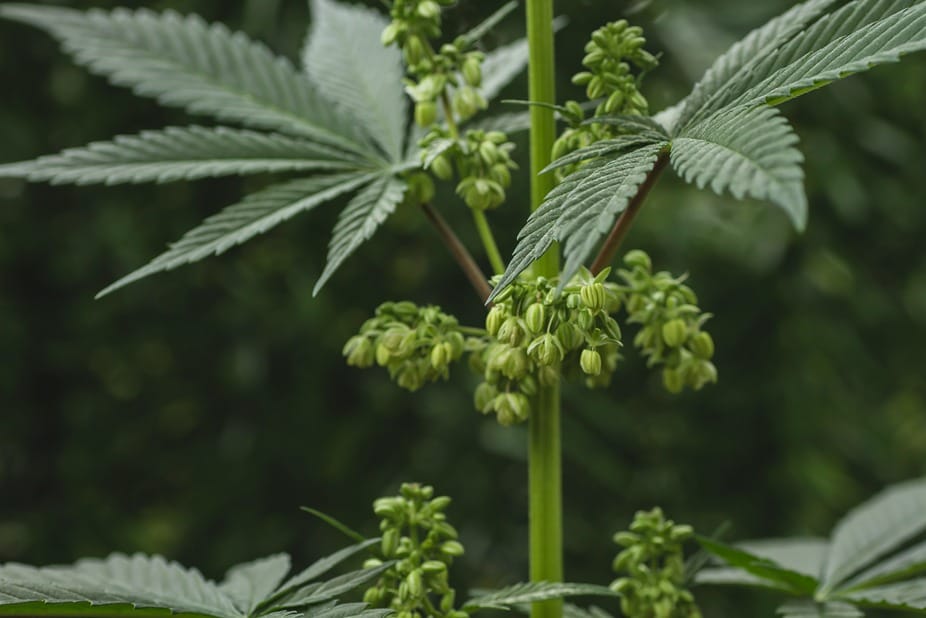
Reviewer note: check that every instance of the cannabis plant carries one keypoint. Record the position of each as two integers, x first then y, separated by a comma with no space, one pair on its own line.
555,311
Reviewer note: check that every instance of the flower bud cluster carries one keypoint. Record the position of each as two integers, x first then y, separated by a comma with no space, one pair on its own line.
535,335
610,53
671,333
484,162
416,344
418,538
653,568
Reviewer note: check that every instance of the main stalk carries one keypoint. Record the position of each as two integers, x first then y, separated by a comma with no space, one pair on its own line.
545,477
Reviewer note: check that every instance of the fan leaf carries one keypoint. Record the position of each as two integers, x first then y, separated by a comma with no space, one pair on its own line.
790,580
748,152
359,221
343,55
534,591
248,585
253,215
874,529
321,592
902,565
113,584
809,609
323,565
205,69
743,55
181,153
907,596
580,211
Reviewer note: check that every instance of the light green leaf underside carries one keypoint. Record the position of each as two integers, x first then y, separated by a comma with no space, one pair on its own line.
320,592
903,564
134,581
181,153
600,149
773,574
874,529
251,583
205,69
736,62
253,215
748,152
535,591
858,36
323,565
580,211
344,56
359,221
809,609
802,555
909,595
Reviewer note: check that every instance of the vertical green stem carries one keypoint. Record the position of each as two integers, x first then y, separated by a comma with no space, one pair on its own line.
488,241
545,483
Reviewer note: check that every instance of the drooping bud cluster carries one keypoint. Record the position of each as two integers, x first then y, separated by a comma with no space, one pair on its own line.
416,344
653,568
450,78
536,335
612,50
418,538
671,333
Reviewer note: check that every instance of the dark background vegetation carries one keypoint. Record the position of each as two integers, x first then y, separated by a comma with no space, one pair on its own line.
192,413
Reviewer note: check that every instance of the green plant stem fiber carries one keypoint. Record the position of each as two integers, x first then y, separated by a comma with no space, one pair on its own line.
544,449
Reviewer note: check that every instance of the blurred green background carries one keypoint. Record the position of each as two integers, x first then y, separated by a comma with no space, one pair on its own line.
192,413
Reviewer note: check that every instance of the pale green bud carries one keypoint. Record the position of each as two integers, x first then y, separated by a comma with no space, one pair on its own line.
388,507
415,586
440,357
390,542
451,548
472,71
442,167
674,332
409,378
484,396
590,361
429,9
440,503
414,50
359,352
569,336
373,596
447,600
496,317
383,355
582,79
425,113
536,317
372,563
701,345
673,380
390,33
638,259
408,344
594,296
547,350
432,567
511,331
515,364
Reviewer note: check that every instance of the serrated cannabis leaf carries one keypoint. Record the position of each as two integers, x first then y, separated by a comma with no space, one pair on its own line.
344,56
205,69
789,580
901,565
874,529
737,61
802,51
89,586
810,609
251,583
321,592
530,592
253,215
909,596
323,565
359,221
181,153
580,211
603,148
749,152
346,610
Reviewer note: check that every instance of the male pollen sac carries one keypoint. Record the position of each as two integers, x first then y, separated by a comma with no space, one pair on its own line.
536,317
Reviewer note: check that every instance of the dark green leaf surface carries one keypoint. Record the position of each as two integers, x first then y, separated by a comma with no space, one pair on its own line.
205,69
181,153
345,58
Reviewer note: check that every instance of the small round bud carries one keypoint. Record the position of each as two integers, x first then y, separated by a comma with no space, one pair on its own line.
594,296
472,71
547,350
373,596
494,320
590,361
673,380
390,542
372,563
442,167
536,317
390,33
638,259
414,583
701,345
511,331
674,332
484,396
359,352
440,357
425,113
452,548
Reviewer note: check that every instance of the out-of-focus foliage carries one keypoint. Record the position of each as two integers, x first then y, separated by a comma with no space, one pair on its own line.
183,414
